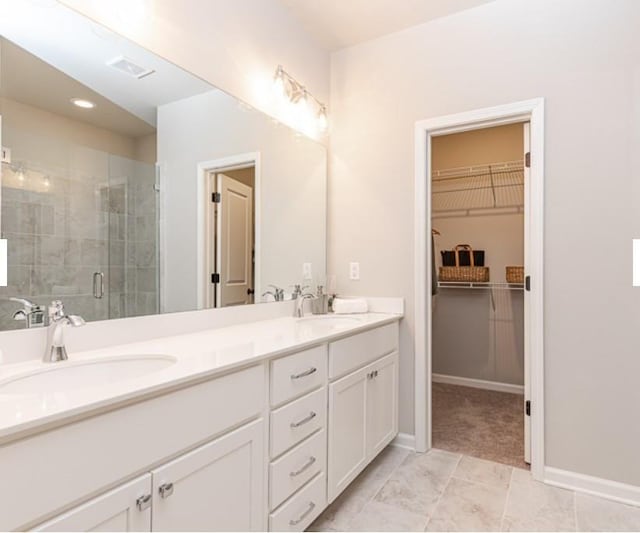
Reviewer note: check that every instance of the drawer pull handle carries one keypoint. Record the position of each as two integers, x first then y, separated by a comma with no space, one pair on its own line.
304,374
304,515
372,374
308,464
302,422
143,502
165,490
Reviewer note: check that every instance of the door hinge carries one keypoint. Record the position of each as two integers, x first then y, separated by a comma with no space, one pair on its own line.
527,160
527,407
216,197
215,278
527,283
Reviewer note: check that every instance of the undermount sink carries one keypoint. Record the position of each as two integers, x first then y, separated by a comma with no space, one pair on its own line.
74,375
329,320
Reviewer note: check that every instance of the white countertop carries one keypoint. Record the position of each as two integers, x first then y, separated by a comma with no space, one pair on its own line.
198,355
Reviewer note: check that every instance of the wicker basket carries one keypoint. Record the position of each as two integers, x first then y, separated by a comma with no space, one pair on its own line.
464,273
515,274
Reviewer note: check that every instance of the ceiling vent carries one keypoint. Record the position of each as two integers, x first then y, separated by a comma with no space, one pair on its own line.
128,67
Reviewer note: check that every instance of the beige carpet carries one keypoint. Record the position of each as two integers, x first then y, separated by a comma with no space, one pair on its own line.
479,423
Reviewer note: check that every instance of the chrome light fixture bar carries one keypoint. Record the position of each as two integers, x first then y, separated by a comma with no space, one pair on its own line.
297,94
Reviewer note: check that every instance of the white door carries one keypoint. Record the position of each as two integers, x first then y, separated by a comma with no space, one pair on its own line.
217,487
382,404
347,431
527,297
126,508
234,242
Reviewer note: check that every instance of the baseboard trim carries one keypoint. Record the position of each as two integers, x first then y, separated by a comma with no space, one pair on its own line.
478,383
605,488
404,440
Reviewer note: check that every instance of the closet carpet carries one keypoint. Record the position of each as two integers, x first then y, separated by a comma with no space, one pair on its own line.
479,423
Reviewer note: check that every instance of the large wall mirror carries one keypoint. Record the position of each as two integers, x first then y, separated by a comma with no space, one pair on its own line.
130,187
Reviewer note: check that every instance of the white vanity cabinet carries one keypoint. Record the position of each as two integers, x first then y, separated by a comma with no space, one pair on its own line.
266,446
363,404
217,487
126,508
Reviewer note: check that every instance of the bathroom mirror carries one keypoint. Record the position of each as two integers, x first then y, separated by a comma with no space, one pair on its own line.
130,187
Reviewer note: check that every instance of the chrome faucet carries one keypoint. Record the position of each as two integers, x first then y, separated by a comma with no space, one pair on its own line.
299,312
32,314
58,320
298,290
277,293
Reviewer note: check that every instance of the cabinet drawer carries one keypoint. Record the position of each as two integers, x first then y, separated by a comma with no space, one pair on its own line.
353,352
298,374
302,509
297,420
295,468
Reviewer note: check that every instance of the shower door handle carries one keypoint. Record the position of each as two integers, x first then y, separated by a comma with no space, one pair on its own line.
98,285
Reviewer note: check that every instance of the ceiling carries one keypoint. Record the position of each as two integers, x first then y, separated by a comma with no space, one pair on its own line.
80,49
23,77
339,23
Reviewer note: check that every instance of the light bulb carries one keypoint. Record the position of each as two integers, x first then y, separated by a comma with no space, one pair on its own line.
323,122
46,182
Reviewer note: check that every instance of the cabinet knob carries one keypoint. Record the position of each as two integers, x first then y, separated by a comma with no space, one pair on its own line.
165,490
143,502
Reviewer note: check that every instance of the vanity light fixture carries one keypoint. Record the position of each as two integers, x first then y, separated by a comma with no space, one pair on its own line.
287,86
84,104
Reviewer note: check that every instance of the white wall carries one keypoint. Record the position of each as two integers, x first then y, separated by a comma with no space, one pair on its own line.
584,58
291,203
235,45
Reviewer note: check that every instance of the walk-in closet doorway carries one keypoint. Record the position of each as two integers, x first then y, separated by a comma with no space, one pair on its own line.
529,112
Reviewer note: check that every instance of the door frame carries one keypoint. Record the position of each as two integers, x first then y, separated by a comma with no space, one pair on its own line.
205,168
531,111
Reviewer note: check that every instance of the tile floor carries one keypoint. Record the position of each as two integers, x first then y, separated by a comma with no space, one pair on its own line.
481,423
445,491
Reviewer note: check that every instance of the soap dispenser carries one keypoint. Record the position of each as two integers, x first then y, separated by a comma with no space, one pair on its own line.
320,304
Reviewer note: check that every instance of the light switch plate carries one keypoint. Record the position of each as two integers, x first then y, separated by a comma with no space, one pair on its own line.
306,271
636,262
354,271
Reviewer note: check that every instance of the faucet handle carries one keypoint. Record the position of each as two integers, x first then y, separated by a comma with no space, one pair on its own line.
56,309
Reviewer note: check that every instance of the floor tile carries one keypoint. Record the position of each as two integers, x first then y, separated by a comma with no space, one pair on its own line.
378,516
481,471
534,506
598,514
346,506
466,506
416,485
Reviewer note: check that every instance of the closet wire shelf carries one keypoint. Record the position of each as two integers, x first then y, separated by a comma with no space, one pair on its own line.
480,189
480,285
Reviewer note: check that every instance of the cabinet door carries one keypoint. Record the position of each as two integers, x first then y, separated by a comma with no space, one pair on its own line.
217,487
382,404
116,510
347,431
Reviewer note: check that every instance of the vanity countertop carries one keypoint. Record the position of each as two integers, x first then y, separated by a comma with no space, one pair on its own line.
198,356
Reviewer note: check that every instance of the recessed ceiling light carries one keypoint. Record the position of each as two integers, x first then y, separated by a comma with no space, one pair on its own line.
84,104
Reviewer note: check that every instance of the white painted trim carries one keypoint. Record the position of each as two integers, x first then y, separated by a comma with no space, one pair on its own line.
204,168
604,488
529,110
404,440
478,383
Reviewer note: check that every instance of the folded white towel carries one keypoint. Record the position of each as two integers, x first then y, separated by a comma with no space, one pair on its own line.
344,306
